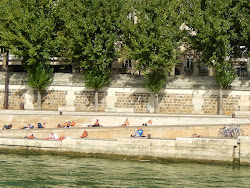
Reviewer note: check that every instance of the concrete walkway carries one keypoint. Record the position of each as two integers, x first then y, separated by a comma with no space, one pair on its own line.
20,117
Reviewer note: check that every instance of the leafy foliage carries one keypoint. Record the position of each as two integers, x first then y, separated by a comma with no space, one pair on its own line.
151,34
28,29
90,31
221,30
155,80
39,76
96,77
225,75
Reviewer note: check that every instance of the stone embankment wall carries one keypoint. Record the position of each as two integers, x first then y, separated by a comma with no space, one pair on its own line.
126,93
209,150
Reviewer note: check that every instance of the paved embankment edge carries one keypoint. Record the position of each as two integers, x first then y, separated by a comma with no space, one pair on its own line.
203,150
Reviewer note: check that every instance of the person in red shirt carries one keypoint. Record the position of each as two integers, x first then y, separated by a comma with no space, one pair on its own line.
72,124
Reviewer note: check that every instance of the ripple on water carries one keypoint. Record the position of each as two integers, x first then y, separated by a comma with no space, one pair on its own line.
62,171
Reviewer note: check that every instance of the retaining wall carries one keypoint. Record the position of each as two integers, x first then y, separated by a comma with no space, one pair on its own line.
126,93
209,150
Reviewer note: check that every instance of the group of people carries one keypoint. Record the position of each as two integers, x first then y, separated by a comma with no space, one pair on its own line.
126,123
31,126
67,124
53,136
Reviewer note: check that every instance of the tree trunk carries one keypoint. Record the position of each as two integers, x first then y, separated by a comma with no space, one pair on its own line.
39,100
96,101
5,69
220,105
156,103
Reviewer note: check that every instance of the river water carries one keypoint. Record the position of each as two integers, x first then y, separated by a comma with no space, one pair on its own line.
22,170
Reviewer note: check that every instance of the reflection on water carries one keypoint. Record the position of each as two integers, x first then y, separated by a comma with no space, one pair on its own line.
64,171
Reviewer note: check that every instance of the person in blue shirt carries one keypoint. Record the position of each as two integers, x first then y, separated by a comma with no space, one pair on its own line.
138,133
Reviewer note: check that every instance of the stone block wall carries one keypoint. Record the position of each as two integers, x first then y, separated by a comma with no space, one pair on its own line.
210,105
16,97
84,100
127,94
1,98
52,99
176,103
137,101
231,104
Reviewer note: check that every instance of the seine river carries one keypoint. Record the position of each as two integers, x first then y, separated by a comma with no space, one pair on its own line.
18,170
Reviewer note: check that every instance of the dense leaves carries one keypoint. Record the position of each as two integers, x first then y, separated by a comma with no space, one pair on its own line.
90,32
225,75
152,34
96,78
221,31
28,29
155,81
39,76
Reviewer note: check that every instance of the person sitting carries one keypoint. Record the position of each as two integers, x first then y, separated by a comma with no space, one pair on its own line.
27,126
96,124
31,126
126,123
52,136
32,136
72,124
196,135
59,126
138,133
7,126
43,125
40,126
149,123
84,134
61,138
66,124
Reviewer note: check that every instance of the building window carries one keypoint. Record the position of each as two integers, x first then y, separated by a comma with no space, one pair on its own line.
189,64
241,71
127,64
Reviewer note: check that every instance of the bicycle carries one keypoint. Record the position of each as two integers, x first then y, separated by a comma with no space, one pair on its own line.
231,131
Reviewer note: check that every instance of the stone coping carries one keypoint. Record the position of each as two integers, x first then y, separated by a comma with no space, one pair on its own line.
125,114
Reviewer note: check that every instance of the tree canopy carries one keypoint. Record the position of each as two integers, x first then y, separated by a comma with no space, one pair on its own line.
151,34
220,30
28,29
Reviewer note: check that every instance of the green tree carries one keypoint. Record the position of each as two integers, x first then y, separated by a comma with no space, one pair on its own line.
28,29
155,81
151,36
225,75
39,78
88,36
96,78
221,32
